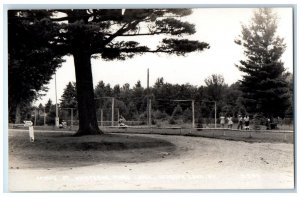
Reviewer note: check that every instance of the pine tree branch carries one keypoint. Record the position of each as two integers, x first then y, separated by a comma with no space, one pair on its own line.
143,34
121,31
66,18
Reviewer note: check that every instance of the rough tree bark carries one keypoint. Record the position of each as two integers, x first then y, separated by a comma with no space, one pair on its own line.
18,114
88,124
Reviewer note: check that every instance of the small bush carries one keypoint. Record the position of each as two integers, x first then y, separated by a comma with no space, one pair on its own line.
153,121
258,118
160,115
172,121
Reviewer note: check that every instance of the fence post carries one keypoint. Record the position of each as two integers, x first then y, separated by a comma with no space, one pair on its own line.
118,116
215,114
44,117
150,121
71,118
101,118
34,117
193,114
112,110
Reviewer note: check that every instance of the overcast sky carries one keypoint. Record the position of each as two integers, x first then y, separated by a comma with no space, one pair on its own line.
216,26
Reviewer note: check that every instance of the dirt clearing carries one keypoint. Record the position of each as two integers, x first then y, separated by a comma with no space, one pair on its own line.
59,162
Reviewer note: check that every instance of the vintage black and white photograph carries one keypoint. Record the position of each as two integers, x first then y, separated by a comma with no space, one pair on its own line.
151,99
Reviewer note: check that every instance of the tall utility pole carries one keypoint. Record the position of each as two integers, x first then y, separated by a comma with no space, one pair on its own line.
112,110
44,117
71,118
148,100
56,107
118,117
101,118
150,122
215,114
34,116
193,114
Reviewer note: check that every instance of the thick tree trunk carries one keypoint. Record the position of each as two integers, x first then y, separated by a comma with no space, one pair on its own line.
18,115
88,124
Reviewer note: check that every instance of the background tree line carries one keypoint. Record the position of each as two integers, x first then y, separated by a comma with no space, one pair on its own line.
132,101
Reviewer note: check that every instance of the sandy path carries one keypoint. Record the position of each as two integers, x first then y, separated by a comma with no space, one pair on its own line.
200,164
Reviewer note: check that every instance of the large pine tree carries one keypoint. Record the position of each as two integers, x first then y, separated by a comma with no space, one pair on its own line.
111,34
263,85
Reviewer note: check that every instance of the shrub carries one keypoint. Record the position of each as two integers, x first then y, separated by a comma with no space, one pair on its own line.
258,118
172,121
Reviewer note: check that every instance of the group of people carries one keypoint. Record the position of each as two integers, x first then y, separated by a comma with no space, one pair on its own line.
243,122
229,121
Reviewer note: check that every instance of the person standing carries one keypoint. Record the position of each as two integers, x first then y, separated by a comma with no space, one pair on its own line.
268,123
240,123
222,121
230,122
247,122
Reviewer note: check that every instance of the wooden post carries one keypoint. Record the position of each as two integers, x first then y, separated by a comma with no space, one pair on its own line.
56,106
101,118
215,114
71,118
31,134
118,115
34,117
148,99
193,114
150,122
112,110
44,117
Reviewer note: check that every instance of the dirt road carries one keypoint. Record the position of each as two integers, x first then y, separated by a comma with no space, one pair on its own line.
185,163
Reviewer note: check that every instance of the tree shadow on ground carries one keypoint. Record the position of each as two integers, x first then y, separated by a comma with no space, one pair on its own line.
61,149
